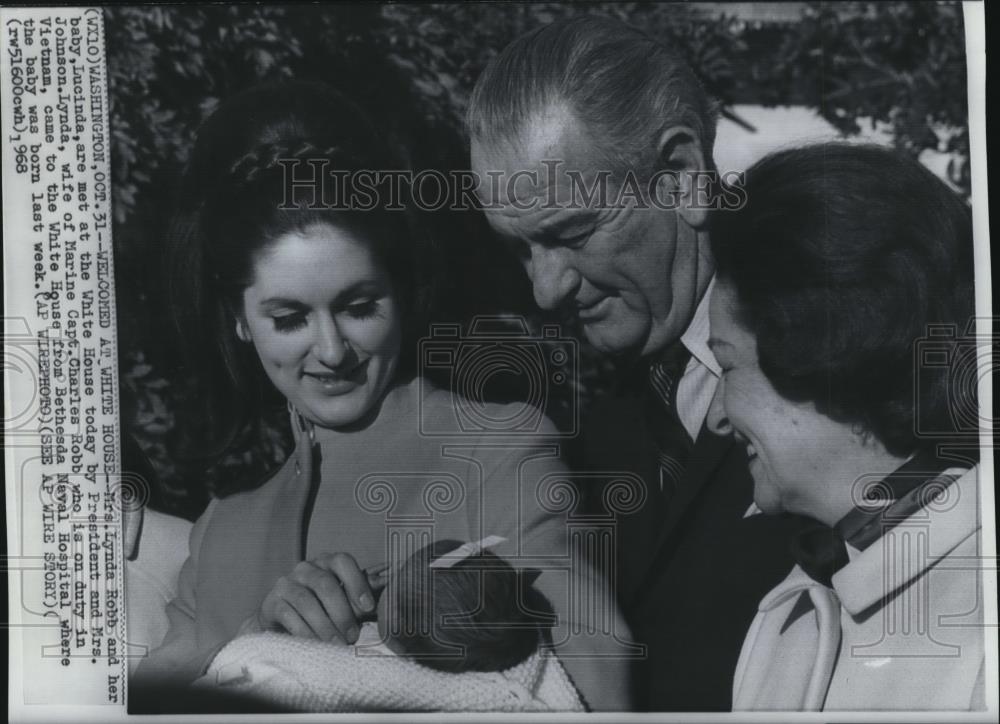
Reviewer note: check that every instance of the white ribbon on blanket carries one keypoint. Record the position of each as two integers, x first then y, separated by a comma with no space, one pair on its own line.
466,550
301,674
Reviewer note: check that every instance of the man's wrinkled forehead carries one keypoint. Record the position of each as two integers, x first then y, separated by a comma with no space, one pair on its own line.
546,160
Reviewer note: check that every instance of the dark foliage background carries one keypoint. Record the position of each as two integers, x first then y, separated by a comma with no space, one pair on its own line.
412,66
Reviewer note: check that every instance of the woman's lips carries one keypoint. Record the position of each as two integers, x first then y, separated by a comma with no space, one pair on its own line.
332,383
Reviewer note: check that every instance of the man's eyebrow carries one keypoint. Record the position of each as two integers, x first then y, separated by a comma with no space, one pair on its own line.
550,231
582,218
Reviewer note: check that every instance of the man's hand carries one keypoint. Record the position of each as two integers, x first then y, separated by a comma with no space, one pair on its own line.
323,598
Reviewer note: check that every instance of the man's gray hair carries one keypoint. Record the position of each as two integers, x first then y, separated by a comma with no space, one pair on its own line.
624,86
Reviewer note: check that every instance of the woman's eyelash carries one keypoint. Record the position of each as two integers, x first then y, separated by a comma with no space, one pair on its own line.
288,322
363,310
297,320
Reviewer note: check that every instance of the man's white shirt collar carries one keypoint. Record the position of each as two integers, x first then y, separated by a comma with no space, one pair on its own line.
695,337
701,376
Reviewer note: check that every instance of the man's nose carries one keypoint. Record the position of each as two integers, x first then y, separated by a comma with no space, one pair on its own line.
717,419
553,277
330,347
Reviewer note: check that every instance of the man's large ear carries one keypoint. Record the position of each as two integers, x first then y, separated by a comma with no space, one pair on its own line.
684,174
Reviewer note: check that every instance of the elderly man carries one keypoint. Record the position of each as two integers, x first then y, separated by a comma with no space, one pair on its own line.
595,141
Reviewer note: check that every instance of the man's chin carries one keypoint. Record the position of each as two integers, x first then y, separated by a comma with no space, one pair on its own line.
610,340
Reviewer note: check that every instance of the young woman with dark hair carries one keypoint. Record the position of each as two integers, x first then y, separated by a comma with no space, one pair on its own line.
247,184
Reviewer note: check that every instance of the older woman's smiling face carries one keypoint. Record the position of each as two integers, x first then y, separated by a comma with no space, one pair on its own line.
801,460
323,317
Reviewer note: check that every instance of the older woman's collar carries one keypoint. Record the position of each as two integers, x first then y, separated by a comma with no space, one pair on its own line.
928,534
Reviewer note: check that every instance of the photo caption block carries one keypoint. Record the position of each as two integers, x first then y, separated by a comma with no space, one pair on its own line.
61,426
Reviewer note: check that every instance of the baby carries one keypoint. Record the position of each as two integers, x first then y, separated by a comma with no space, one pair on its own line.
458,607
465,629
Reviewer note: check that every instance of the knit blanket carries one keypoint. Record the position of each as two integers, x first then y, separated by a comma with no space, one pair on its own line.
300,674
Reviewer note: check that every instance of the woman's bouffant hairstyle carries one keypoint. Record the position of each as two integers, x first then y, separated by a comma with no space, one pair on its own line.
236,198
479,614
842,259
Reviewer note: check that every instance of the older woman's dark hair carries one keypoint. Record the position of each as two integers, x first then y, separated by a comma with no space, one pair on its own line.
236,198
842,259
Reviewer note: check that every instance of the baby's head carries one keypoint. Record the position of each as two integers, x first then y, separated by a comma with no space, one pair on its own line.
476,613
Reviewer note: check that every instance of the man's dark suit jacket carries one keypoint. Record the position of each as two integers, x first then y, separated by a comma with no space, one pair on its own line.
690,571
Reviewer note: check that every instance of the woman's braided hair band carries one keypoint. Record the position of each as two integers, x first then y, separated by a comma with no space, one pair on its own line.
267,157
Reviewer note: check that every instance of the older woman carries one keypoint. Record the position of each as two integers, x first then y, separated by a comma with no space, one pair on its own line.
842,261
315,285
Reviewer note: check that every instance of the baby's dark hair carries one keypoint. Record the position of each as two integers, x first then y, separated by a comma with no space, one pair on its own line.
479,614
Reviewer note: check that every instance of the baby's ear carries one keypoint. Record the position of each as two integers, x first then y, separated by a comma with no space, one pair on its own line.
529,575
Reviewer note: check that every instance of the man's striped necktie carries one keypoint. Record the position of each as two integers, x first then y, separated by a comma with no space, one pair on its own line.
671,439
